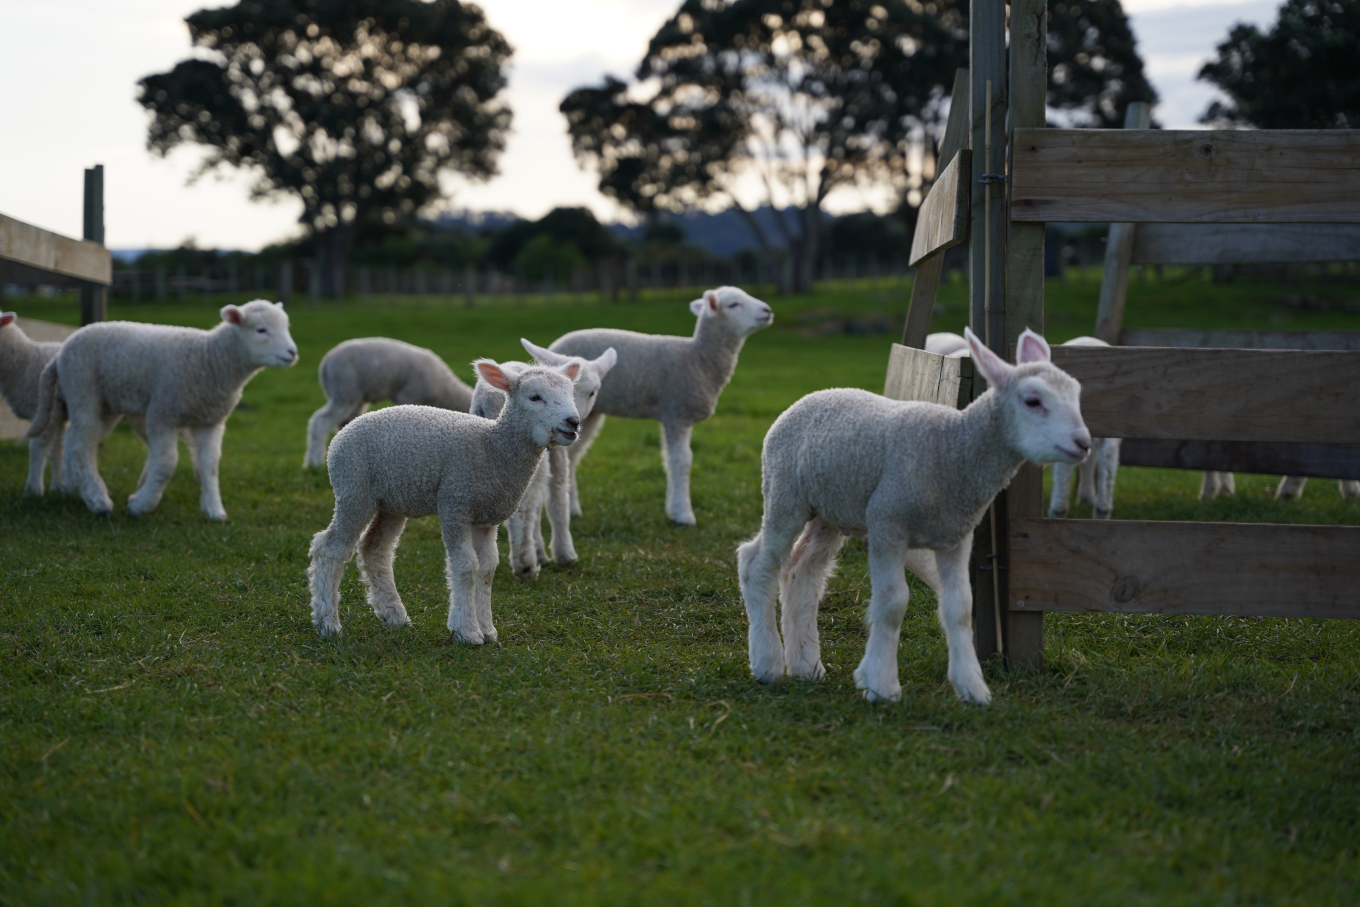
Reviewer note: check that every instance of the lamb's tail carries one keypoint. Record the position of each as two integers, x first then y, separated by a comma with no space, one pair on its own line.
48,404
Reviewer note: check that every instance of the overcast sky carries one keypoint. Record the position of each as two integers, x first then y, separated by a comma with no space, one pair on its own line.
68,73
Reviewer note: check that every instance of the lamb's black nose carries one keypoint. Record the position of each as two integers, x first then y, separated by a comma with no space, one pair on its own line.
573,422
1082,446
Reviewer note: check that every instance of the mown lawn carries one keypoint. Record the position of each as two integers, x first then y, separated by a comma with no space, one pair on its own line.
173,731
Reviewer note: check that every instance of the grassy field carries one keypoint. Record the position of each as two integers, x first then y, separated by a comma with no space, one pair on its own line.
173,731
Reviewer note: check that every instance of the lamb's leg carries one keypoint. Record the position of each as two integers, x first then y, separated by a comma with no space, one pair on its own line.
320,426
758,568
802,583
461,566
205,445
1350,488
488,556
1217,483
877,673
558,500
956,616
1290,488
377,547
162,453
331,549
37,464
1087,475
1107,470
679,458
1062,490
520,528
590,427
80,469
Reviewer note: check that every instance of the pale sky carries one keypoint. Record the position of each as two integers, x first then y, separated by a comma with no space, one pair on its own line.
69,68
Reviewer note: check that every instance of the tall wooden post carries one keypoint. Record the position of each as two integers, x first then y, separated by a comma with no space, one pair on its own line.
1114,285
94,298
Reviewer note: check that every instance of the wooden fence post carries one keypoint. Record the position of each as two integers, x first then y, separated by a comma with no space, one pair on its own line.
285,282
94,298
1114,285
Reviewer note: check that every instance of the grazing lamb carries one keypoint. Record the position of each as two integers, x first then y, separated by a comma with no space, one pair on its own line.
176,378
1291,488
549,487
22,361
409,461
675,380
913,480
372,369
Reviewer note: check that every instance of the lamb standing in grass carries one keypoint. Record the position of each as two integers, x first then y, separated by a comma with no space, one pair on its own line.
177,378
675,380
409,461
372,369
549,487
22,361
913,480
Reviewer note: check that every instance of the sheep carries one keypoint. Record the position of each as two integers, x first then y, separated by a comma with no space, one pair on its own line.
913,480
548,488
372,369
22,361
178,379
674,380
1291,488
408,461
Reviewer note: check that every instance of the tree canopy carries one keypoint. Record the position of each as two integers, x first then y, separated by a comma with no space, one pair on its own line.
1302,74
356,107
1094,70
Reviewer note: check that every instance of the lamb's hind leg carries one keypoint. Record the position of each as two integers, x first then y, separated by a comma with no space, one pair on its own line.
162,453
1290,488
1107,470
488,556
758,568
590,428
461,565
802,583
679,460
877,673
377,548
956,616
80,466
556,496
1061,492
330,550
320,426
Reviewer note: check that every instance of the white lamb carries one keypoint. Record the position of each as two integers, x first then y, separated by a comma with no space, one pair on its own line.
675,380
178,379
549,487
913,480
372,369
22,361
409,461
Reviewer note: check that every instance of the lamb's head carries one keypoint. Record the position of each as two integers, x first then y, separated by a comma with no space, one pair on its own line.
1041,402
739,310
263,327
590,379
540,396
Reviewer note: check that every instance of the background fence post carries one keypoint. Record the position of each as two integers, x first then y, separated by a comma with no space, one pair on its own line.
470,287
313,283
285,282
94,298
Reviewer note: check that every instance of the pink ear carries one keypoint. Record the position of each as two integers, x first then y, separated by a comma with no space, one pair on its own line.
231,314
492,374
1032,348
994,369
6,318
572,370
712,300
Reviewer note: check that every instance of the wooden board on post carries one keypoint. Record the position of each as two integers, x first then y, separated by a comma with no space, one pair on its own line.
1271,458
1114,284
924,377
1241,340
1226,244
43,251
942,221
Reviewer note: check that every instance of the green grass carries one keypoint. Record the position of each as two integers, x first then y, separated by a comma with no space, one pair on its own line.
173,731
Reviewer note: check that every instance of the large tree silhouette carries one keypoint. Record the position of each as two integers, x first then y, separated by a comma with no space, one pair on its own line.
356,107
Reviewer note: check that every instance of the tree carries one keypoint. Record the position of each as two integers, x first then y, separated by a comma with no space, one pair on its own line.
357,107
574,227
803,96
1094,70
1303,74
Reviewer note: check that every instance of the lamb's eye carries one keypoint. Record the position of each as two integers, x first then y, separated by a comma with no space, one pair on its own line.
1033,402
262,330
733,305
536,399
591,394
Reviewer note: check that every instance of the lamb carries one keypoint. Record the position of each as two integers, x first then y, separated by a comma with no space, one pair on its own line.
549,487
22,361
176,378
674,380
409,461
913,480
371,369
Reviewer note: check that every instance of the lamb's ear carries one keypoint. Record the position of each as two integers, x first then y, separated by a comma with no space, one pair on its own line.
231,314
1032,348
608,359
7,317
697,306
546,357
572,370
279,304
711,297
492,374
995,370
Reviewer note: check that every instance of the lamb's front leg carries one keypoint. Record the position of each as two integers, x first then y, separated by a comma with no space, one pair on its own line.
590,427
877,673
162,453
956,615
1061,492
488,556
679,458
206,447
559,506
461,552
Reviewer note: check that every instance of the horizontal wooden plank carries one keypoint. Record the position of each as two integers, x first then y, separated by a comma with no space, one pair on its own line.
1147,567
1187,176
1227,244
1241,340
943,218
35,247
1271,458
927,377
1217,395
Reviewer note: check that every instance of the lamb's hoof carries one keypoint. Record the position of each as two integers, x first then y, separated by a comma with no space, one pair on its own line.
542,557
101,508
1102,514
527,573
885,693
972,688
767,674
218,516
1057,514
565,559
814,673
685,519
395,619
327,628
491,636
576,509
470,638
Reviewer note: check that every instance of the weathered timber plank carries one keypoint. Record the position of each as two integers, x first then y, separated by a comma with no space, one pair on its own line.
1152,567
1114,282
1217,395
1272,458
1271,176
915,374
26,244
1241,340
1226,244
943,219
